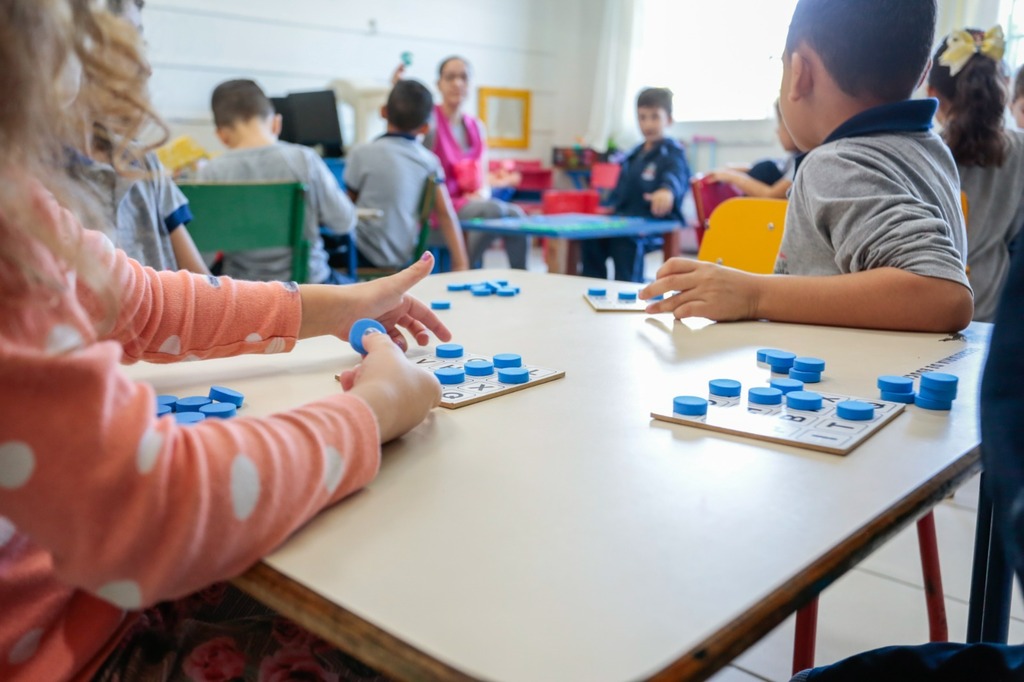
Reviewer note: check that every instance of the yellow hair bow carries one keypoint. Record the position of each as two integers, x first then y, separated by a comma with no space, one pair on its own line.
962,45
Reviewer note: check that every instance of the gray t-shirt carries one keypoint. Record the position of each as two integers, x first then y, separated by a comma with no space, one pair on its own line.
995,211
326,205
139,214
389,174
875,201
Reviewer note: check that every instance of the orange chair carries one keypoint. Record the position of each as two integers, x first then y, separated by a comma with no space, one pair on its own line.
745,233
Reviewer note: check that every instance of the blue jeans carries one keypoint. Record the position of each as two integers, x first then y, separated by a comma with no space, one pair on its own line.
627,253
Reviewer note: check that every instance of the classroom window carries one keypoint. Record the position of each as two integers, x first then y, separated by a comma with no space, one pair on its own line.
1011,13
722,59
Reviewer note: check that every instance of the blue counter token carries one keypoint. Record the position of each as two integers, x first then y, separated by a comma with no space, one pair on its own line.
359,329
806,377
513,375
440,305
189,417
169,400
855,410
689,406
906,398
764,396
804,400
627,296
224,394
809,365
936,396
450,375
448,350
939,381
219,410
458,287
481,291
161,410
786,385
762,353
725,388
501,282
503,360
890,383
940,405
596,292
506,292
479,368
781,361
191,403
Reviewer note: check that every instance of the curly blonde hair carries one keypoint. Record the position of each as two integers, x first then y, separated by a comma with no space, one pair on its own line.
45,47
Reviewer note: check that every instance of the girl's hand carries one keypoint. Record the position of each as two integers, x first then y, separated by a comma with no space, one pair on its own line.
399,393
331,309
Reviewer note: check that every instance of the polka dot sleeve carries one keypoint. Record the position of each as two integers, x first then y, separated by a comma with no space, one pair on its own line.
137,510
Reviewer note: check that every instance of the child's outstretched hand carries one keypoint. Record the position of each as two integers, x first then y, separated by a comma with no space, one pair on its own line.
399,393
331,309
662,201
705,290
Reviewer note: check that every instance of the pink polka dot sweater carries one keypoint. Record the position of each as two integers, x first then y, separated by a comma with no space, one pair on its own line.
104,508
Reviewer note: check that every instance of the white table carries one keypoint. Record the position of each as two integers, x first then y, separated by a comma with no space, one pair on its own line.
560,534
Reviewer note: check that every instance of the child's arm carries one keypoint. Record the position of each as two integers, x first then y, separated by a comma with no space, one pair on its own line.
451,229
186,253
751,187
674,180
881,298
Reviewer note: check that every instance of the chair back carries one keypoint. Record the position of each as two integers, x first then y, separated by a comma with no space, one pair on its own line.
707,195
556,201
745,233
234,217
604,176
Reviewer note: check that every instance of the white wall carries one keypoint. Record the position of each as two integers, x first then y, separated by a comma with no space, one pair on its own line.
304,44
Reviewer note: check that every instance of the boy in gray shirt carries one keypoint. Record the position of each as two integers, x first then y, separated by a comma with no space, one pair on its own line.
390,174
247,125
874,233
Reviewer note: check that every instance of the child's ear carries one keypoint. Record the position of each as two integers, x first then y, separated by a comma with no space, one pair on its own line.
801,83
422,130
275,125
384,112
224,135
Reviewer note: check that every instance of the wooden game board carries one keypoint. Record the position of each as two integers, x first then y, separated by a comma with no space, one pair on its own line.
822,430
477,389
612,304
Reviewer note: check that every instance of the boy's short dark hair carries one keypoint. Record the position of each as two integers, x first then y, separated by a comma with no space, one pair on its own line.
872,48
655,98
409,105
239,101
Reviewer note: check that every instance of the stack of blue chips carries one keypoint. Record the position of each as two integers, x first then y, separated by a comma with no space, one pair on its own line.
936,391
780,361
896,389
501,287
807,370
221,403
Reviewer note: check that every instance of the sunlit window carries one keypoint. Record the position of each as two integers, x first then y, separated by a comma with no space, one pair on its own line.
722,59
1011,13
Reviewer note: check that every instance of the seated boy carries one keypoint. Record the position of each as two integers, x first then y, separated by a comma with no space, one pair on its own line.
247,125
874,232
652,184
766,179
390,174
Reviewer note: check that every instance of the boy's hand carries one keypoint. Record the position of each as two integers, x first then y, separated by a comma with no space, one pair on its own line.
399,393
705,290
662,202
725,175
331,309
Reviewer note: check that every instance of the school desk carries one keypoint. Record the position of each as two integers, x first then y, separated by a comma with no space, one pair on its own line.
575,227
558,533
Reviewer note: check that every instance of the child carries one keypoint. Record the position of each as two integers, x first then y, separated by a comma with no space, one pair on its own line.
967,80
874,231
390,174
144,213
248,127
652,184
117,510
765,179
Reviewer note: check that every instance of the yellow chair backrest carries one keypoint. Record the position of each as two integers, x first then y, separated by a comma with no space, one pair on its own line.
745,233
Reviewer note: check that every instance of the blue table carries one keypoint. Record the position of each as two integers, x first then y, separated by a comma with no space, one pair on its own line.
575,227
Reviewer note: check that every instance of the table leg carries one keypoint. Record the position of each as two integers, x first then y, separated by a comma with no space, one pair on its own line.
805,636
572,257
988,617
555,255
672,244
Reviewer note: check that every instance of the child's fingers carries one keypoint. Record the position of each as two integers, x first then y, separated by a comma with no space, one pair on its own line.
425,316
676,266
375,342
408,278
348,378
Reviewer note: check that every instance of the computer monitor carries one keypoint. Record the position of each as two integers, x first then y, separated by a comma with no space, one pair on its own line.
311,119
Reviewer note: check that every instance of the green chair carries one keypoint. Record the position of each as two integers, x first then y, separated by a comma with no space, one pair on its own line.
246,216
424,212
